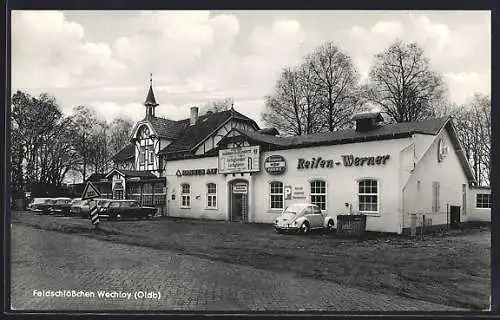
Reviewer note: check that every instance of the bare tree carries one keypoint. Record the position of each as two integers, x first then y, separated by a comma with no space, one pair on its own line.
473,124
217,105
403,84
336,80
283,107
118,134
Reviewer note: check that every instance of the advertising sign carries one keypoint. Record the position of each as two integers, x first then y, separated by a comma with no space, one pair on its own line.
275,165
240,188
239,160
288,192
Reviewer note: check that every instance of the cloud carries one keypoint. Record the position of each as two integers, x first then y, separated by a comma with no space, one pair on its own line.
50,51
458,53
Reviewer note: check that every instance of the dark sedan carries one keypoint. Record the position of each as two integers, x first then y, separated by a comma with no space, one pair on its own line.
61,206
123,209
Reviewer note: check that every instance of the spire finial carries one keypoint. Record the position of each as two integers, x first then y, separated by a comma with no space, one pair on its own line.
151,79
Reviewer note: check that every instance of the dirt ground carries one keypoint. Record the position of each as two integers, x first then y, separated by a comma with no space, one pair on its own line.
451,268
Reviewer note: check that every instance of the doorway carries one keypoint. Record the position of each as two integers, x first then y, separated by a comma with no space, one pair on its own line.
238,204
454,217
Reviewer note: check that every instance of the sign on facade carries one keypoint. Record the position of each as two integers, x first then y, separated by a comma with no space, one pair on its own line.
239,160
275,165
288,192
240,188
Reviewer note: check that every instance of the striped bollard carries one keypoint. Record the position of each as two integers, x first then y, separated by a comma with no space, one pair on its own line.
94,216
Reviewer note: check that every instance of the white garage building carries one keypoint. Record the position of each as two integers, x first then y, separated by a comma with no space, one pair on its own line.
223,166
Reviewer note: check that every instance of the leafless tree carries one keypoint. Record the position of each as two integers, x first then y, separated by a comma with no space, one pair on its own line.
118,134
283,107
217,105
320,94
403,84
336,81
473,124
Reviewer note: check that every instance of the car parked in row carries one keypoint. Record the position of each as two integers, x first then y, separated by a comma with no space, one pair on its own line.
303,217
60,206
82,207
123,209
41,205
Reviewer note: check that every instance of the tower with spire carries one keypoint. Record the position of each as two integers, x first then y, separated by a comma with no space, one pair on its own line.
150,102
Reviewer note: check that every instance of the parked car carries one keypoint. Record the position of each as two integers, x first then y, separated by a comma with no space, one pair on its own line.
61,206
303,217
83,207
41,205
122,209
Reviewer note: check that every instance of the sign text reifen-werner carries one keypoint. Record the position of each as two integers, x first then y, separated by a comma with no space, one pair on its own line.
347,160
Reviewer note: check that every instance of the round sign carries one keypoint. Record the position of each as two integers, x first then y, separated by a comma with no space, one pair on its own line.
275,165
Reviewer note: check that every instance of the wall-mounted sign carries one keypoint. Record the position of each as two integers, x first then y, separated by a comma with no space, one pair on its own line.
196,172
275,165
442,150
298,193
239,160
240,188
347,161
288,192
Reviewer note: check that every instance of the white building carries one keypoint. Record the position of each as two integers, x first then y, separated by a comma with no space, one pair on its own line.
223,166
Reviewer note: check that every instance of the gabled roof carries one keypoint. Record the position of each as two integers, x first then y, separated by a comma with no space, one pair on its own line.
126,153
190,136
389,131
166,128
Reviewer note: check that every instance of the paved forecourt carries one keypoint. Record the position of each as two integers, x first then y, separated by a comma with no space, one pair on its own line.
139,278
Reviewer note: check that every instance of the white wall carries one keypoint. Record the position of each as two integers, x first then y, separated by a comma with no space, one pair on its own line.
341,181
478,214
198,185
448,173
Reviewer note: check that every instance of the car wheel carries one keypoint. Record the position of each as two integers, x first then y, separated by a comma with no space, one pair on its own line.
305,228
150,216
277,230
118,217
330,226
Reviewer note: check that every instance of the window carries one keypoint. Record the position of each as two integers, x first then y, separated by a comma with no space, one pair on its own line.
318,193
185,196
276,195
435,197
158,188
150,155
483,201
211,195
142,155
368,196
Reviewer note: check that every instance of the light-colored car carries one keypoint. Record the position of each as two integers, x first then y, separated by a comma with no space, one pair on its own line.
303,217
83,207
41,205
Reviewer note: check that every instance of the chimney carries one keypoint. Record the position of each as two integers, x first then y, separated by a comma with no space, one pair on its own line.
368,120
194,116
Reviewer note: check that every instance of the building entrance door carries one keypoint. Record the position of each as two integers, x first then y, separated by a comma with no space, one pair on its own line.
454,217
239,201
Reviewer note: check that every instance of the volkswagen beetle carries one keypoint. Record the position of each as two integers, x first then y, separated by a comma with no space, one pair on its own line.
303,217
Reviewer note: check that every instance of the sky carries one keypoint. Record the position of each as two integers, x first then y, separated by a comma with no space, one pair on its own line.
103,59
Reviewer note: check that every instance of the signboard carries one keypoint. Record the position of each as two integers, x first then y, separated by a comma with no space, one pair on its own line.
442,150
275,165
196,172
90,192
239,160
288,192
347,160
240,188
